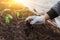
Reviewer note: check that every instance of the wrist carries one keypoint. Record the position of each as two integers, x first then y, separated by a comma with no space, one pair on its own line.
46,16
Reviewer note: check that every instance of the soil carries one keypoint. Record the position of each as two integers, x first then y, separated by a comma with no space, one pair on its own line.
18,29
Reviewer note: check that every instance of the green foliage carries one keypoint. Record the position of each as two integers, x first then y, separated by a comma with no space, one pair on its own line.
17,13
8,18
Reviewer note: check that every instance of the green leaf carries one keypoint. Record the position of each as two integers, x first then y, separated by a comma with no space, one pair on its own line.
8,15
18,14
7,20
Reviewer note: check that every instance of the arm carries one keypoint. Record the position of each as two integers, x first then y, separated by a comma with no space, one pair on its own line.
53,12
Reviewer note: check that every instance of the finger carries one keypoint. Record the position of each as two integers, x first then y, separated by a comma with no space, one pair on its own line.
33,21
28,18
31,17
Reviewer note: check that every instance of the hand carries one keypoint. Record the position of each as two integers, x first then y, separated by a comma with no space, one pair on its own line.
35,19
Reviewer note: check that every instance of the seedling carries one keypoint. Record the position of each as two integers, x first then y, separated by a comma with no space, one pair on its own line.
8,18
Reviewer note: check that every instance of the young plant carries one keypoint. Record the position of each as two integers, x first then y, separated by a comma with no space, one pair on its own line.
17,13
8,18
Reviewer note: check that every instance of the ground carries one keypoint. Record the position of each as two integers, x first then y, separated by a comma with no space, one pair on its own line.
14,27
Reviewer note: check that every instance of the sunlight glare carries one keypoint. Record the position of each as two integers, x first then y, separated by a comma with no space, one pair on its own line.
19,1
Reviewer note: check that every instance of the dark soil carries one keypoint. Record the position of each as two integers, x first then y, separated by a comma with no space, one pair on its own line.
17,29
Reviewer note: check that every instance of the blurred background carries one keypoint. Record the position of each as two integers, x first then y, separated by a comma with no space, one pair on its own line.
36,6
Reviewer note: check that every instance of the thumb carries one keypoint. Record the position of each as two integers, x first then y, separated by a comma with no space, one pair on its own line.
33,21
